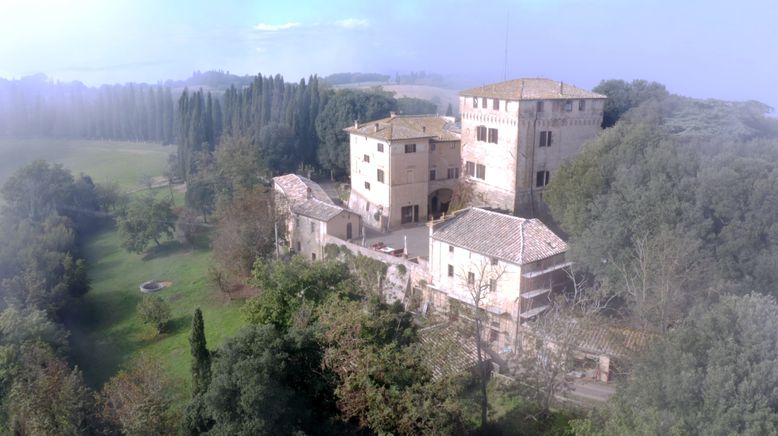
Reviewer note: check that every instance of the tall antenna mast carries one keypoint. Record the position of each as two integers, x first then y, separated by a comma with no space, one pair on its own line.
505,63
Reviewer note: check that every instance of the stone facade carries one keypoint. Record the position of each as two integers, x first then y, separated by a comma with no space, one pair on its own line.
506,151
525,271
311,216
393,162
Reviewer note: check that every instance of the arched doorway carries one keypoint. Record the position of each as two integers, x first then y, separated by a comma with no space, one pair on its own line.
439,202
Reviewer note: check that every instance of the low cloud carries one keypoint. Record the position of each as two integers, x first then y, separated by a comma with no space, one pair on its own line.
352,23
264,27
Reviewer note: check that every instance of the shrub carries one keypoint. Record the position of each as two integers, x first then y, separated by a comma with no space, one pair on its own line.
154,310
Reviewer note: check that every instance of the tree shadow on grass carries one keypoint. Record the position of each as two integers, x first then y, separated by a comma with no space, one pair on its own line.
165,249
178,325
103,357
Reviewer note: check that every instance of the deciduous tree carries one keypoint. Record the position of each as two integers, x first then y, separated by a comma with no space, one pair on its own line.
144,220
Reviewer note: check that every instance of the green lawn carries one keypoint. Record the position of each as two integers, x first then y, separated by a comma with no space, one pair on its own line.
122,162
108,335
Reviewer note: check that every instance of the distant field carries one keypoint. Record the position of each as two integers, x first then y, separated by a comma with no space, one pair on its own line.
123,162
438,95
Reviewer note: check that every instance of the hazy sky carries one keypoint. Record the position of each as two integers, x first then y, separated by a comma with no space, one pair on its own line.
712,48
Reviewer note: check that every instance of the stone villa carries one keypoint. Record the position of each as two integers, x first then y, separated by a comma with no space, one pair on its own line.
406,170
403,168
516,134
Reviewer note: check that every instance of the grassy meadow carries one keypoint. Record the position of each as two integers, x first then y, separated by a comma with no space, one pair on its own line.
125,163
106,333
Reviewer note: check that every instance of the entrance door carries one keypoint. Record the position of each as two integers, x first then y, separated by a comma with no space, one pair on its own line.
416,213
348,231
406,214
434,204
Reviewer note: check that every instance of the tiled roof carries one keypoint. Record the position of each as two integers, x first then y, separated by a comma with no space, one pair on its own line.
512,239
447,351
295,188
409,127
317,209
530,89
611,340
602,338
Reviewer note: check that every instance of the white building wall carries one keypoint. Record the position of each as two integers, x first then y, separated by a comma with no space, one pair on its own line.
373,202
464,261
309,234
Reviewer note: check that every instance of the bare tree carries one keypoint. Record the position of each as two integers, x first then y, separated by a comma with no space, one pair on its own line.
244,232
553,338
657,278
480,280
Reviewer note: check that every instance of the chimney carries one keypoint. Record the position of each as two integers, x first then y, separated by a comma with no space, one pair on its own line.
561,88
356,124
392,114
423,129
376,127
309,193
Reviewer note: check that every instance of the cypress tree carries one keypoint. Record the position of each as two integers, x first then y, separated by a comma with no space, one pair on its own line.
201,357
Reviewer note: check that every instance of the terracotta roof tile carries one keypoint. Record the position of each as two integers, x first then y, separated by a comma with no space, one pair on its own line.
295,188
447,350
530,89
317,209
510,238
602,338
409,127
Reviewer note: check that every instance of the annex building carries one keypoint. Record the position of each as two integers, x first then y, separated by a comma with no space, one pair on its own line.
514,263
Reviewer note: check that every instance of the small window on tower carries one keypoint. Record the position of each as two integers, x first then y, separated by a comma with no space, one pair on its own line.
542,179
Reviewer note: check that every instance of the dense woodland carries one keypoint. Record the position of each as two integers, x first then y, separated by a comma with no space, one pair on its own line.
670,218
671,215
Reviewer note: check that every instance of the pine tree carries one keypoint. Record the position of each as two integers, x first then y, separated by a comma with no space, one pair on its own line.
201,357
